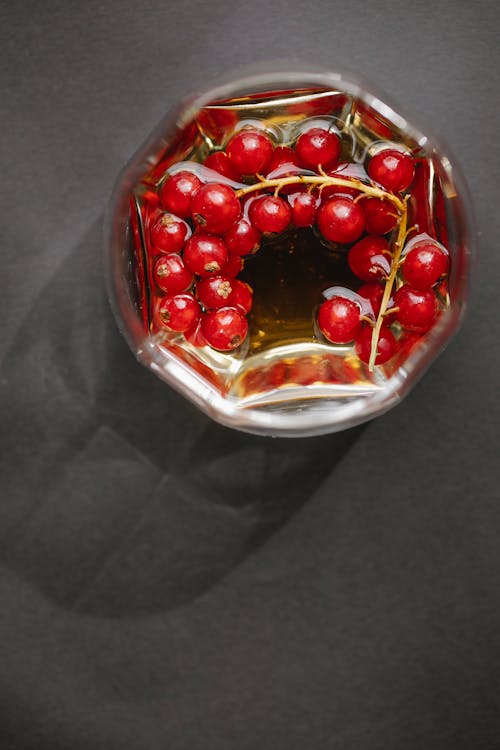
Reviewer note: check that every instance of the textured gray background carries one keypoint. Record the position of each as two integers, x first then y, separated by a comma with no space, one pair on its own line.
166,583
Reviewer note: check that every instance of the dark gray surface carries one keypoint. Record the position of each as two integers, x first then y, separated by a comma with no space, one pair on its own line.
340,592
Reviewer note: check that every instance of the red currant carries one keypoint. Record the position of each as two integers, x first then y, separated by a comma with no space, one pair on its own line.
282,155
381,216
242,238
417,309
171,274
270,213
317,147
392,169
214,292
250,151
215,207
224,329
370,258
304,206
233,266
373,291
386,346
169,233
341,220
178,312
194,334
339,319
221,163
205,254
330,190
241,296
424,264
177,191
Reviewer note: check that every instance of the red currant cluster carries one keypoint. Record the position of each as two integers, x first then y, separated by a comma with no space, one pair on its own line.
208,220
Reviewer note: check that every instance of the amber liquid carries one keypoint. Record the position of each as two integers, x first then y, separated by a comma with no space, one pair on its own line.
288,276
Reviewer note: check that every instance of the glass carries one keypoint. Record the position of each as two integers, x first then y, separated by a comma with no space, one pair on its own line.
285,378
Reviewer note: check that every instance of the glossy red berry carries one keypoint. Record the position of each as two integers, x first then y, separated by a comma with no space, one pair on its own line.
168,233
284,164
370,258
178,312
224,329
282,155
417,310
330,190
372,291
250,151
205,254
339,319
215,207
424,265
386,346
177,191
220,162
381,216
214,292
341,220
304,207
241,296
317,147
195,335
242,238
171,275
270,213
392,169
233,266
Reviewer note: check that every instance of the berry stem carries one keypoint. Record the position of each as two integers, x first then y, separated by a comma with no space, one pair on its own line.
322,181
389,283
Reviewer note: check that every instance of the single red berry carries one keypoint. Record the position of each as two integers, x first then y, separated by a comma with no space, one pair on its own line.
224,329
372,291
417,310
241,296
177,191
221,163
168,233
304,206
341,220
386,345
282,156
370,258
424,264
215,207
178,312
317,147
233,266
330,190
250,151
270,213
381,216
339,319
205,254
171,274
283,165
392,169
215,291
194,334
242,238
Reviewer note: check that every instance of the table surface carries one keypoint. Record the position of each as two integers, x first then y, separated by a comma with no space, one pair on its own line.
168,583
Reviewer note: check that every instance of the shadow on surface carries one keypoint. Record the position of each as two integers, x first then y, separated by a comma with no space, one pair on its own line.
120,497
